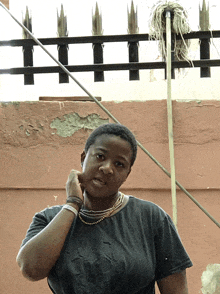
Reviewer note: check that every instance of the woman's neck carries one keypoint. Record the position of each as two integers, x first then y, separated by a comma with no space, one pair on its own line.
99,203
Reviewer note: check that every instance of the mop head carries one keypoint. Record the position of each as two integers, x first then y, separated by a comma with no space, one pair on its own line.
179,26
211,279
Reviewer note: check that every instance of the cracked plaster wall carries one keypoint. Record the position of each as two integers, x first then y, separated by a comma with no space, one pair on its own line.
41,142
68,124
211,279
52,134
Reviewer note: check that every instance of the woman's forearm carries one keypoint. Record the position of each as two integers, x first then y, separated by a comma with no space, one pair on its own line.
38,255
174,284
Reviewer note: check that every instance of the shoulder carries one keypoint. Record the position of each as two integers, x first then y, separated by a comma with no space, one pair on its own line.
171,256
145,214
40,221
145,207
46,215
49,213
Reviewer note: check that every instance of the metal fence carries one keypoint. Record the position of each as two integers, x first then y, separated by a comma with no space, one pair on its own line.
98,67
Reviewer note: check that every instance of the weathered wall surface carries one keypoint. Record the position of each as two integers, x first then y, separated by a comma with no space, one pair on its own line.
6,3
41,142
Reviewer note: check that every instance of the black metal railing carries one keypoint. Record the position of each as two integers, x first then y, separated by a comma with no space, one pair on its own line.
98,67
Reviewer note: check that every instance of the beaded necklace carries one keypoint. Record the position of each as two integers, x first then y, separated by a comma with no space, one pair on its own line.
102,213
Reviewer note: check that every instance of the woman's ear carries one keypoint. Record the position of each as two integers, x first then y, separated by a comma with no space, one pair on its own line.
83,156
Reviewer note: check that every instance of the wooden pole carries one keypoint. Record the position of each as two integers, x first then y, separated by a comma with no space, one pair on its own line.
170,116
172,57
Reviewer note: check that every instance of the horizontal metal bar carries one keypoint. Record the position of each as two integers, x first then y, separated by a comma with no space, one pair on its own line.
110,67
77,40
104,39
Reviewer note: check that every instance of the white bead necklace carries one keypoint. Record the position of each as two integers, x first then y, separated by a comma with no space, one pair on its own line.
101,214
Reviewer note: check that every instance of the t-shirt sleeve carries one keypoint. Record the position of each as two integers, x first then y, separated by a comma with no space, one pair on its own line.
39,222
171,256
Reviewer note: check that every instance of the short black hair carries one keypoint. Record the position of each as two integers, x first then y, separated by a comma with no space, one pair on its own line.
116,130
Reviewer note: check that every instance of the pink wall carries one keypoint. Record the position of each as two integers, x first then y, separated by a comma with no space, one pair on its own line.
35,163
6,3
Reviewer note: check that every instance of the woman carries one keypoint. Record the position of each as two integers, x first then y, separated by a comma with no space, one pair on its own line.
102,241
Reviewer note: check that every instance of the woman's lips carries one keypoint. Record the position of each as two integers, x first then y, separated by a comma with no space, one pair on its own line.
98,182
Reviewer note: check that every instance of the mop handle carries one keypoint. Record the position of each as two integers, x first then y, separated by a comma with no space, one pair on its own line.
170,116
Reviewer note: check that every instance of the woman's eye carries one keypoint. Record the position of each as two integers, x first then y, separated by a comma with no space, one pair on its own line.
100,156
120,164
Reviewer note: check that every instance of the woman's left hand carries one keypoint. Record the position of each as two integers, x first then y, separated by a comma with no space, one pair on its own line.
74,185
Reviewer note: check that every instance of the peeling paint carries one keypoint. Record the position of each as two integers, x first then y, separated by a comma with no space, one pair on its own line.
68,124
14,103
129,101
4,104
40,126
188,101
27,133
211,279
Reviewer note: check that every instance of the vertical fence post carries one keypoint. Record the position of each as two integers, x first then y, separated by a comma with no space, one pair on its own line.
133,57
62,49
97,47
28,61
27,50
63,58
133,46
98,58
204,43
205,54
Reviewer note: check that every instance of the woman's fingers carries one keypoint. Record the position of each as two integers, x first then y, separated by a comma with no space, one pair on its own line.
73,186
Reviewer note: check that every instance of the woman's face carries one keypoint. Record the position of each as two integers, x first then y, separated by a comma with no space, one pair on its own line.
106,165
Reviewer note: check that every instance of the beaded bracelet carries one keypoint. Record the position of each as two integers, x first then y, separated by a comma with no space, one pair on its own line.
75,199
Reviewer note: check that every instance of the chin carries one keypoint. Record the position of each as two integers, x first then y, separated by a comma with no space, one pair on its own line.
99,193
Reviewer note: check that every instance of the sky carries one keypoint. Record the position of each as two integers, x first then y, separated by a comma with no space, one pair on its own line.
114,14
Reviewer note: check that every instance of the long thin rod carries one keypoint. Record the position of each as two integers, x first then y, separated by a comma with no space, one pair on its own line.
170,117
115,120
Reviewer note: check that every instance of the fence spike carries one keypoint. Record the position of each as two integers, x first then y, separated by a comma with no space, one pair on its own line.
204,16
61,23
133,46
205,72
132,20
97,48
62,49
27,22
97,22
27,50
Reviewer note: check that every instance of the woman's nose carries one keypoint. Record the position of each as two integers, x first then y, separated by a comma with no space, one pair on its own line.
106,167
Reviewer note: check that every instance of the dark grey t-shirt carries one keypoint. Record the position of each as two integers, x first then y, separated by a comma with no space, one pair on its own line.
123,254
